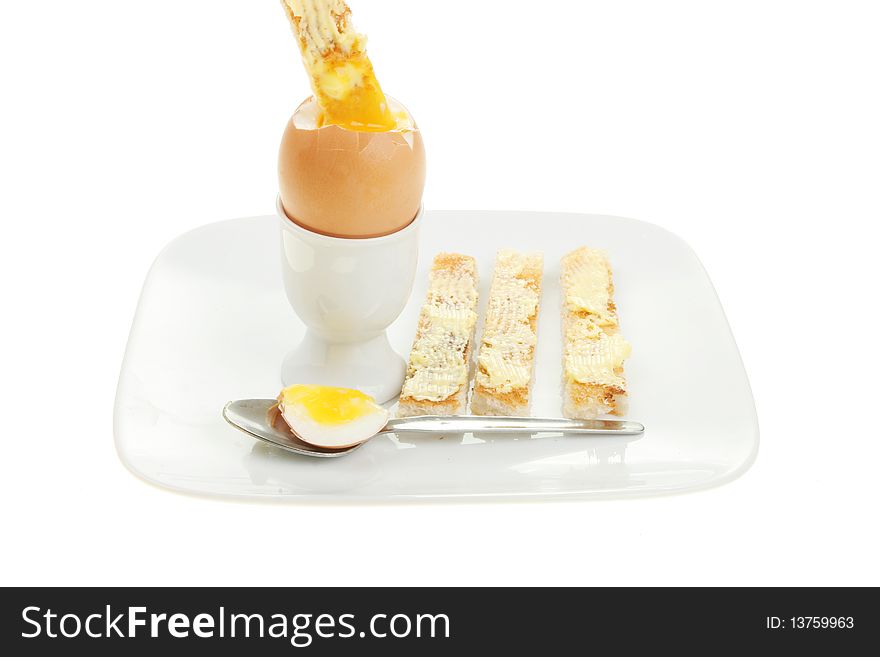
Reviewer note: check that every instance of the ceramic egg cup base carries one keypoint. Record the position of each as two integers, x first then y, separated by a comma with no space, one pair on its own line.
372,366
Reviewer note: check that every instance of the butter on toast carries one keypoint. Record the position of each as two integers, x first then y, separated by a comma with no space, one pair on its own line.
506,360
438,375
593,349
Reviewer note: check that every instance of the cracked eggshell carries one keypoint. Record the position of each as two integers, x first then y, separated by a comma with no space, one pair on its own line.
347,183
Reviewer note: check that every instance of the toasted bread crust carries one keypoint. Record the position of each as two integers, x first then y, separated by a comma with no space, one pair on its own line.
587,401
489,402
455,262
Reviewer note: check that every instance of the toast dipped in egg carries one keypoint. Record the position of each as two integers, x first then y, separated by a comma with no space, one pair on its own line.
340,72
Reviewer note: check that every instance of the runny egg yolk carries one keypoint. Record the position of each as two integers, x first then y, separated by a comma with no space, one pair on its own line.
350,96
328,405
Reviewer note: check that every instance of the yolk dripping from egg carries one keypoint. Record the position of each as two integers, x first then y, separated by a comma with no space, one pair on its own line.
327,405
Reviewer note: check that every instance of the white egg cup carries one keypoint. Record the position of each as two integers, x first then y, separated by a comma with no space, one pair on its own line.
347,291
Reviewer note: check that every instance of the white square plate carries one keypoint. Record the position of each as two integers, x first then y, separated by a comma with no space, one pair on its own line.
213,324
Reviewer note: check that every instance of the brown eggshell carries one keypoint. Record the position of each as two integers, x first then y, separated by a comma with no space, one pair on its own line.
347,183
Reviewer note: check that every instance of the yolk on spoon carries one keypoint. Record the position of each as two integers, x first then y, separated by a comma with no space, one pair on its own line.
328,405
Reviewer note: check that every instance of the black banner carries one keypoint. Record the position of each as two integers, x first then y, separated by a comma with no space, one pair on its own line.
105,621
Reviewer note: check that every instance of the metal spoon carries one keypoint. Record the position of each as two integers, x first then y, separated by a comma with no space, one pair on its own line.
251,416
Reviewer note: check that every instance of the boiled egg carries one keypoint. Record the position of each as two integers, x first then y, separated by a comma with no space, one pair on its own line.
351,183
331,417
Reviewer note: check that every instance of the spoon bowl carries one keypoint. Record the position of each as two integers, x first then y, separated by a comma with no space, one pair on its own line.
252,417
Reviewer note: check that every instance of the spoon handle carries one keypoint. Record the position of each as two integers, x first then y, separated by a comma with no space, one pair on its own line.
493,424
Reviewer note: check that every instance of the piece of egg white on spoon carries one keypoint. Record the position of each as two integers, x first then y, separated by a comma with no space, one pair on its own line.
330,417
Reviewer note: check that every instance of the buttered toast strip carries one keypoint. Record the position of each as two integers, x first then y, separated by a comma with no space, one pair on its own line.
438,376
593,349
505,363
336,61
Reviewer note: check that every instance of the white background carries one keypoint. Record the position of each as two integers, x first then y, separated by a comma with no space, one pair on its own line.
751,129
